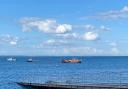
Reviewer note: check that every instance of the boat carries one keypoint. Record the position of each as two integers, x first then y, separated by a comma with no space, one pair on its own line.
30,60
29,85
74,60
11,59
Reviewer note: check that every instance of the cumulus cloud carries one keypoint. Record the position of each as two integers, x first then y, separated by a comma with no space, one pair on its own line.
112,14
83,50
113,44
8,39
46,26
54,42
89,27
125,9
103,28
115,50
69,35
63,28
13,42
91,33
91,36
51,43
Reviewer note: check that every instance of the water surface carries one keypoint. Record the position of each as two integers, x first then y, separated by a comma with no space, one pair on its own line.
42,69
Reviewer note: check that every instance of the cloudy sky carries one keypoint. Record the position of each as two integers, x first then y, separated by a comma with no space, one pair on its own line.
64,27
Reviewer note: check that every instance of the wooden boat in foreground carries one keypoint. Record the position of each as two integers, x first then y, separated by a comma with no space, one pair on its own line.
73,86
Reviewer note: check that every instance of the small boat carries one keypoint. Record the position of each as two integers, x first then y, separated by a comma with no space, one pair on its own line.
11,59
30,60
71,61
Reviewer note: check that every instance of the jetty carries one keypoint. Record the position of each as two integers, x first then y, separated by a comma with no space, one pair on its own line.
72,86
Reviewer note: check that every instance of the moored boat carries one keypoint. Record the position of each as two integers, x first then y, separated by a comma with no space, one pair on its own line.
30,60
11,59
71,61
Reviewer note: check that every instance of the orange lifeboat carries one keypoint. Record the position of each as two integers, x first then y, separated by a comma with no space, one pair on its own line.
71,61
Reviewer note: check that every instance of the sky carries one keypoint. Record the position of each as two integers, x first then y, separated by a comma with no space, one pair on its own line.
64,27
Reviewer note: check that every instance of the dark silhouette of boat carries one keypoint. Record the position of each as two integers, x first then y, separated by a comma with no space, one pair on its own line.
30,60
72,86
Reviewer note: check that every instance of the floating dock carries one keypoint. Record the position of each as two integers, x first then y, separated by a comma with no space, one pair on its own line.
72,86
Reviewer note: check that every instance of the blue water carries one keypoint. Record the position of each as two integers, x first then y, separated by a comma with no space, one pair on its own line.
42,69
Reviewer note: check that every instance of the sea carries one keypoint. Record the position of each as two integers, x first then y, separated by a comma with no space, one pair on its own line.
43,69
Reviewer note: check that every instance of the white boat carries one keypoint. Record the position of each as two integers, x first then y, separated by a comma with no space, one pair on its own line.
30,60
11,59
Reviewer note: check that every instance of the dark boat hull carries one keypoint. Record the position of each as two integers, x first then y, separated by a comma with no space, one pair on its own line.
35,86
58,86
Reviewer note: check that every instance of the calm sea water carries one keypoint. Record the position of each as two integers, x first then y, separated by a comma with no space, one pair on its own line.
42,69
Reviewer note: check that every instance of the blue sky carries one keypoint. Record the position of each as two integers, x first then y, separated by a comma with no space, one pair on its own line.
64,27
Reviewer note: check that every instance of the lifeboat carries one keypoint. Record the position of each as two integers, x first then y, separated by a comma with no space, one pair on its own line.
71,61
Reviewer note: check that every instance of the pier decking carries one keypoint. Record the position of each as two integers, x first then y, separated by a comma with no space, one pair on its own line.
72,86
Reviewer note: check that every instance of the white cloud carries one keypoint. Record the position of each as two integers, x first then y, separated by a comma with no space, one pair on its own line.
103,28
112,14
46,26
83,50
55,42
8,39
69,35
91,36
113,44
13,42
89,27
125,9
115,50
26,28
51,43
63,28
